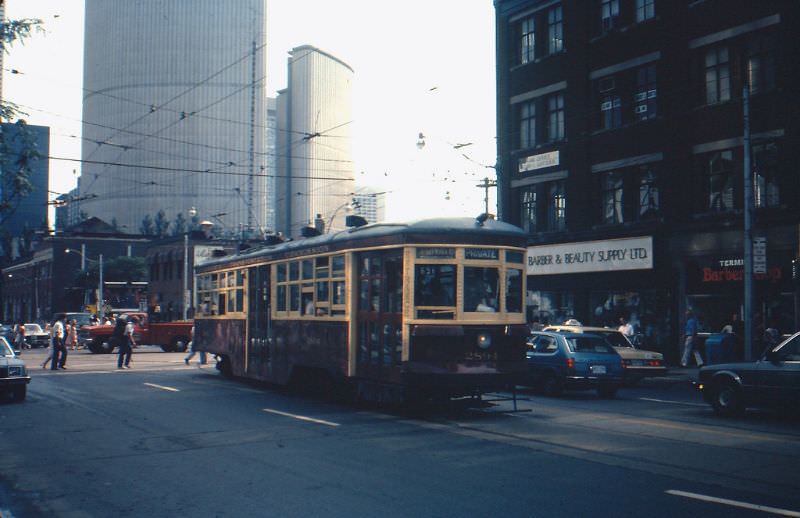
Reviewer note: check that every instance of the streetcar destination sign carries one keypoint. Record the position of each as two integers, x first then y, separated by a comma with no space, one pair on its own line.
635,253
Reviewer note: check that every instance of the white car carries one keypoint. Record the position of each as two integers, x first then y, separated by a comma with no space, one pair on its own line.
14,377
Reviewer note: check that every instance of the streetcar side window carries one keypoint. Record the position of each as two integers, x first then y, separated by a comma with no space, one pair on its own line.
311,287
513,290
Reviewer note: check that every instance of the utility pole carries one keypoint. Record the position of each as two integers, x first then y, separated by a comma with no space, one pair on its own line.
748,230
485,184
252,150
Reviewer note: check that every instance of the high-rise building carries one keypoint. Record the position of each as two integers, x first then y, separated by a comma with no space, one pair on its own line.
173,112
370,204
271,161
623,153
31,210
315,167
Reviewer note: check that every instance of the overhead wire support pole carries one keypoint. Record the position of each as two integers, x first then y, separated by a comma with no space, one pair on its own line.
748,228
252,150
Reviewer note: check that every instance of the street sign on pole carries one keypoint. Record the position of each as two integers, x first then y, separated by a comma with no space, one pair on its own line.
759,254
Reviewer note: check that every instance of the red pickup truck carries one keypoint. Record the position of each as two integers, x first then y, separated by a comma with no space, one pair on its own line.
170,336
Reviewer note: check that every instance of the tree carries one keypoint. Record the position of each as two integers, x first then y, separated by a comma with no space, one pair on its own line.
179,226
146,227
16,158
161,223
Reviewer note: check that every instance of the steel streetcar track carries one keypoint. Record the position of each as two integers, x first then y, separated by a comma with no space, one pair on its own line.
616,459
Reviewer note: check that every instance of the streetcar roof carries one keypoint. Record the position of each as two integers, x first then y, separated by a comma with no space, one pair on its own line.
424,231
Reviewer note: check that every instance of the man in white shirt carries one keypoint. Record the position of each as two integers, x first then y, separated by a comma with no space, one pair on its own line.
127,345
625,328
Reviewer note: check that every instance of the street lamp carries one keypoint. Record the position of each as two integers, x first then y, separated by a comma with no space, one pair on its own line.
186,295
100,306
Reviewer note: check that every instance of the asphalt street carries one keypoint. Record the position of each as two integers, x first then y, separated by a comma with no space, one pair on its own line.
167,439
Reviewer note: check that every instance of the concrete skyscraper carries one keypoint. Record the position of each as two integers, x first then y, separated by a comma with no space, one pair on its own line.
174,111
315,166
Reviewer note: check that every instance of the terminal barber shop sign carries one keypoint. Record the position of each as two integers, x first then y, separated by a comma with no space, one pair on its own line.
635,253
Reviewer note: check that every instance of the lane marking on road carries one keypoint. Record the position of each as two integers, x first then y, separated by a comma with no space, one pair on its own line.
162,387
300,417
672,402
734,503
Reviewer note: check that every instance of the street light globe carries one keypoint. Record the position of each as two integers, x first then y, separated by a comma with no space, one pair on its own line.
192,212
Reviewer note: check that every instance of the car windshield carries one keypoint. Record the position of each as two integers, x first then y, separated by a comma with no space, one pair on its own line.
589,344
83,319
5,349
33,329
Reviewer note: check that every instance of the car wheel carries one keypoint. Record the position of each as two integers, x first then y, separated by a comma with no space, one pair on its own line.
551,385
102,345
607,391
178,344
20,392
726,398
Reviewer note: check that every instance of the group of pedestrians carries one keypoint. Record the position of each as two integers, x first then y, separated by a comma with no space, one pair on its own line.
63,338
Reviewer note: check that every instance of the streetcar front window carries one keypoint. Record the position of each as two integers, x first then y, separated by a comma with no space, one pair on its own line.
435,287
481,289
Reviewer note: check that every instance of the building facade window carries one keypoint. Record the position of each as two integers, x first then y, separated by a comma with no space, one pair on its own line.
760,64
644,100
718,179
649,199
555,117
766,189
557,206
529,220
527,125
527,40
609,14
610,104
555,30
718,75
645,10
612,189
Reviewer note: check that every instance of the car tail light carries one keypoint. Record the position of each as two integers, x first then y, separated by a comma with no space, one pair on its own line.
624,366
655,363
570,363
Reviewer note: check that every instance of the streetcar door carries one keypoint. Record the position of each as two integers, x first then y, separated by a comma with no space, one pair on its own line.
258,322
379,314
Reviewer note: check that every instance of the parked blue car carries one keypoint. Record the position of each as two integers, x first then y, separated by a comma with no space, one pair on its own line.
559,361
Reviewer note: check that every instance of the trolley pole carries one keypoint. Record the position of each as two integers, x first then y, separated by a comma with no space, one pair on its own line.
748,230
485,186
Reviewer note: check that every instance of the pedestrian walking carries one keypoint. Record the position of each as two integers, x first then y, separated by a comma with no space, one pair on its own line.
194,351
127,344
690,341
58,344
49,346
72,336
19,336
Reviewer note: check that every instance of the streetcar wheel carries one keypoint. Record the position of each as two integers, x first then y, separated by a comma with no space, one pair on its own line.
224,366
551,385
726,398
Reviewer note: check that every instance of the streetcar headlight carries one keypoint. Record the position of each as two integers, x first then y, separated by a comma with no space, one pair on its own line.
484,340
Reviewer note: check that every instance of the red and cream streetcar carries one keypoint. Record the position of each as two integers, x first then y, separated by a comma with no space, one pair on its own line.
428,308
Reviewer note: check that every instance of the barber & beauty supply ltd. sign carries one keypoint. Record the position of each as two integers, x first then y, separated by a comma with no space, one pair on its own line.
635,253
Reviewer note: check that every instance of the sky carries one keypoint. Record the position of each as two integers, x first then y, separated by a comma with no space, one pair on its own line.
421,66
